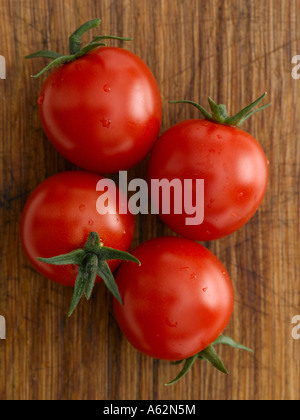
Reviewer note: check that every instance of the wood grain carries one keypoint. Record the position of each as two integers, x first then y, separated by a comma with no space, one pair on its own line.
232,50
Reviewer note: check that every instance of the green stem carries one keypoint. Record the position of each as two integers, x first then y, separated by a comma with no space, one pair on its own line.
209,354
219,112
76,51
91,261
75,39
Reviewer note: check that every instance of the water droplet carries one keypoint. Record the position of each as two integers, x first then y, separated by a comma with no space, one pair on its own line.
241,194
171,323
41,99
91,222
106,123
219,137
107,88
205,289
211,201
268,162
193,276
234,215
208,232
82,207
124,232
224,273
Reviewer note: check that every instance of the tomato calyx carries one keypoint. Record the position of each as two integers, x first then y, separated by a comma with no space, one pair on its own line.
76,51
219,112
209,354
91,261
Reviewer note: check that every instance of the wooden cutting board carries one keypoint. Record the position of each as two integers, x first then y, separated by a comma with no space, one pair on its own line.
231,50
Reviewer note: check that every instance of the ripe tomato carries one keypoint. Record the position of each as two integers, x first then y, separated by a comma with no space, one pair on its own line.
58,218
102,107
102,111
177,302
231,163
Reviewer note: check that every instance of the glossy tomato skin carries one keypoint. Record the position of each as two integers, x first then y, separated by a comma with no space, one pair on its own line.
103,111
58,217
177,302
232,164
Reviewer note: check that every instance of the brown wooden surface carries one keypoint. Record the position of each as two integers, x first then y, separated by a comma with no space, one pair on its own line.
231,50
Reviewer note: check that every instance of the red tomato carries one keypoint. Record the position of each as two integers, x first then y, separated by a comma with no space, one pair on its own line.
58,217
102,111
177,302
231,163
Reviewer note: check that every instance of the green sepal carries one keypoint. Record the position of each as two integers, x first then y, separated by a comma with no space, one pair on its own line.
200,108
115,254
187,366
76,51
88,48
109,280
209,354
57,62
79,289
85,280
74,257
91,261
223,339
104,37
242,116
219,112
45,54
91,267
